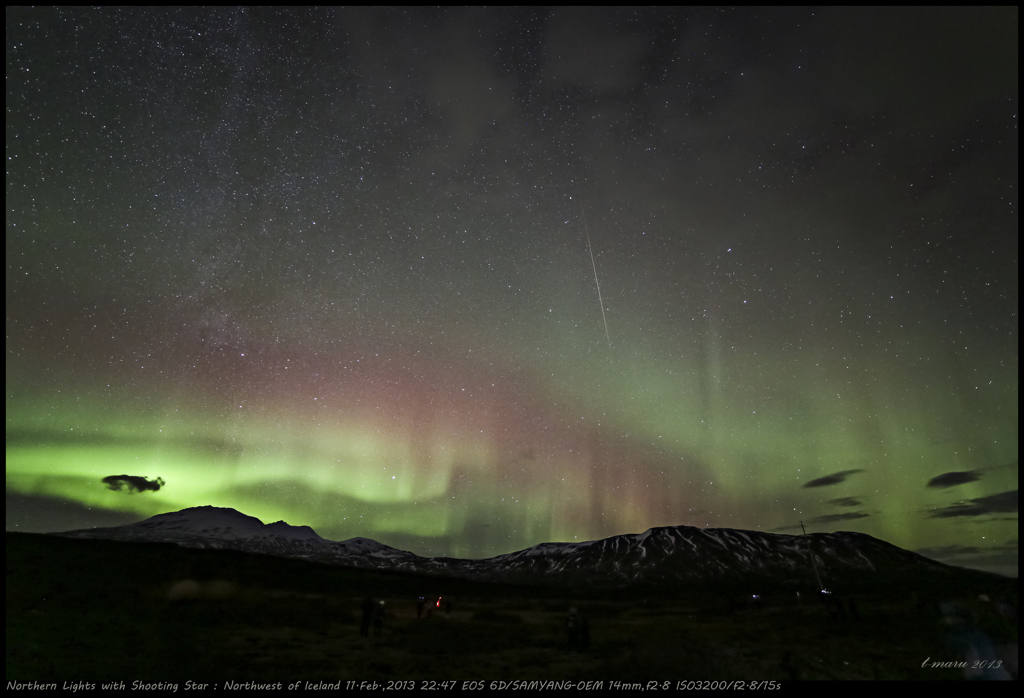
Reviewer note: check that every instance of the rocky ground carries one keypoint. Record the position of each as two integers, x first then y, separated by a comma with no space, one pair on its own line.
91,613
517,639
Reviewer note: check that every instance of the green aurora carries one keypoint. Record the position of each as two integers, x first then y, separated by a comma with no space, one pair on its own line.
459,461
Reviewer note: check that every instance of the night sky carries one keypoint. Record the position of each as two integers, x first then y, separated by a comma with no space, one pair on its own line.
463,281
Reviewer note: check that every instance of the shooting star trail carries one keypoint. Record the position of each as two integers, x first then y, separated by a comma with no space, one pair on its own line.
594,264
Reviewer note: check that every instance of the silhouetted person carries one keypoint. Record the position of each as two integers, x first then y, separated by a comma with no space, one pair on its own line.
573,628
972,645
420,605
378,619
577,627
1007,610
834,607
840,610
364,628
788,670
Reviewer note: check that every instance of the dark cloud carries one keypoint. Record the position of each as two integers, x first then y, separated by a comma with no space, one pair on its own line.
1002,503
845,502
1001,559
833,479
945,551
954,478
833,518
132,483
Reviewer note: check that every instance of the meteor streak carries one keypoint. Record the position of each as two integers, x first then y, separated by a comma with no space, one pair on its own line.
594,264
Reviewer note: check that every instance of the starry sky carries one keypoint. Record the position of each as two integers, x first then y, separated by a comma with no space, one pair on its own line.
467,280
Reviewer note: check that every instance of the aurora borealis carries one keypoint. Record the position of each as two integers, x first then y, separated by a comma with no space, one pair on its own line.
330,266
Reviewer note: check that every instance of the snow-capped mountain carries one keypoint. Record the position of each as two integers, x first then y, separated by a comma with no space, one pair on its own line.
658,557
215,522
669,555
217,527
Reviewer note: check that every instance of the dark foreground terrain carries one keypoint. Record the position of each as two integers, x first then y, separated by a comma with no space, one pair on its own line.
105,610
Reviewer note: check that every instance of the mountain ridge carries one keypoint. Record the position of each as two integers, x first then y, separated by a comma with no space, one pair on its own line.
663,556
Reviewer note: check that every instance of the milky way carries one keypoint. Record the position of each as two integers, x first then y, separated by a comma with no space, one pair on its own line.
332,267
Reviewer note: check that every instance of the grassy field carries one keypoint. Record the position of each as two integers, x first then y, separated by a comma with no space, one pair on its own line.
100,610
